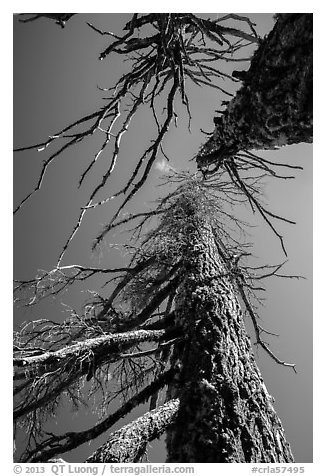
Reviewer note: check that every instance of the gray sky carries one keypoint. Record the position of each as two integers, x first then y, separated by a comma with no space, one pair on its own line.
55,77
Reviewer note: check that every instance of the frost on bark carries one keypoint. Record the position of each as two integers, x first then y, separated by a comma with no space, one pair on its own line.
274,106
226,414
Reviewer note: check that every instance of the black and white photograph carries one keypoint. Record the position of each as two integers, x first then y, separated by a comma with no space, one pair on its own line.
163,238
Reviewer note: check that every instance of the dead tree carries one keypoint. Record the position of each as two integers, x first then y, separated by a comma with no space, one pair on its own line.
172,327
183,48
273,108
274,105
225,414
181,292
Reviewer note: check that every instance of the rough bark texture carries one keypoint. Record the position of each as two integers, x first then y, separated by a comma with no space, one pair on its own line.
52,446
274,105
128,443
226,414
74,361
100,348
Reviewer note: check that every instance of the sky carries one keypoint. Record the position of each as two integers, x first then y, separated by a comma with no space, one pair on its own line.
56,74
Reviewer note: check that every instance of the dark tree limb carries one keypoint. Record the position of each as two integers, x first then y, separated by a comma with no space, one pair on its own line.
59,444
60,18
171,54
124,445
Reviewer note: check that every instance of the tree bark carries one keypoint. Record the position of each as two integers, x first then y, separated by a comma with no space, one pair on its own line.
63,443
74,361
226,414
126,444
98,348
274,106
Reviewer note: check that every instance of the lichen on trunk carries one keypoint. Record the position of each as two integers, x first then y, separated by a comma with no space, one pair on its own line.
226,414
127,444
274,105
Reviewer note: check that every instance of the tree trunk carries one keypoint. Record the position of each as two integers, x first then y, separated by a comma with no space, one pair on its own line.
226,414
274,105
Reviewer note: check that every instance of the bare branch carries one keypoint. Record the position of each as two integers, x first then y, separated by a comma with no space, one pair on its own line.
125,444
258,331
56,444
